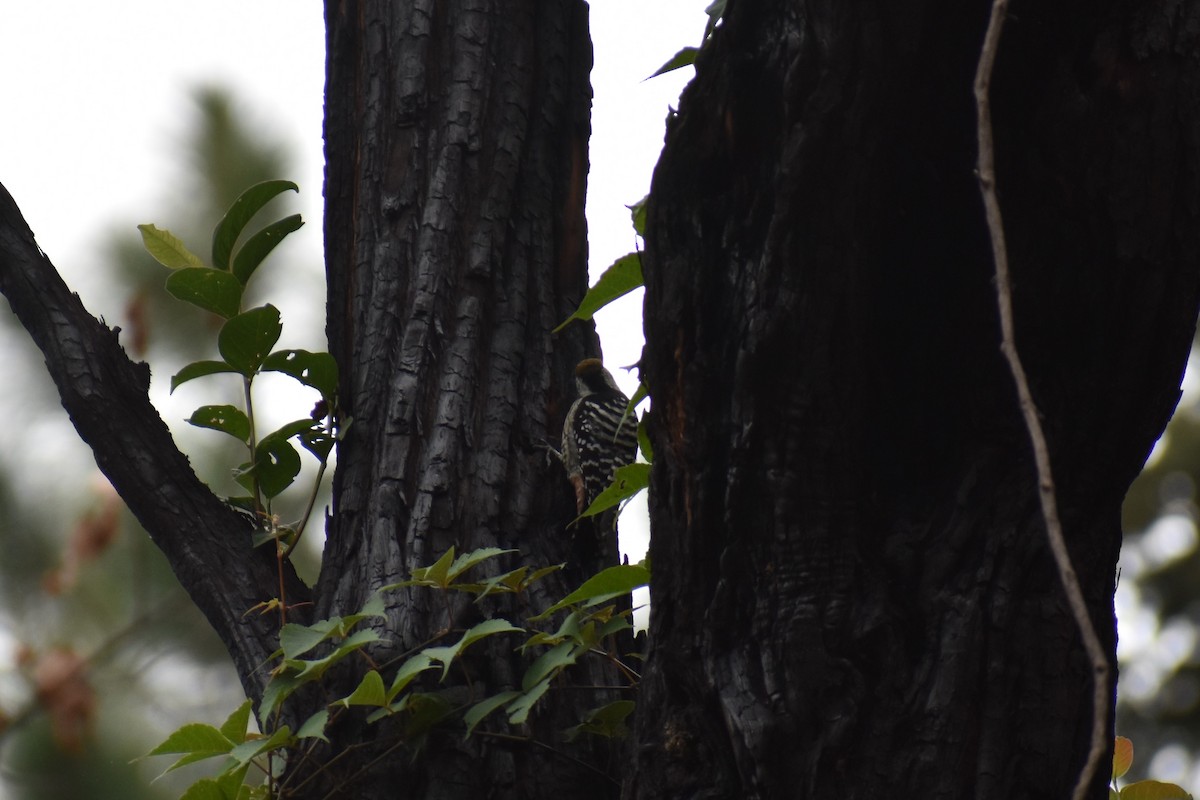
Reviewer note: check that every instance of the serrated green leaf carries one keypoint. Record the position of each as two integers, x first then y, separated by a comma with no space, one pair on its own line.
620,279
246,340
250,749
226,419
196,742
295,640
684,58
260,245
518,711
167,249
627,481
205,789
372,609
467,560
446,655
410,669
198,369
234,726
278,689
206,288
549,664
476,713
231,780
603,586
239,214
318,370
314,669
369,692
439,571
314,726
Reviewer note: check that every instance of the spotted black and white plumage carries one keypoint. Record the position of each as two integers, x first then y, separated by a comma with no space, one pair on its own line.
597,435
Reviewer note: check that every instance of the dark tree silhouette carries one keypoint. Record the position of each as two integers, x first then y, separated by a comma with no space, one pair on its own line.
855,596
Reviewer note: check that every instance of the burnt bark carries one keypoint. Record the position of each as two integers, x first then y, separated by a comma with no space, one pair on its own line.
456,148
853,593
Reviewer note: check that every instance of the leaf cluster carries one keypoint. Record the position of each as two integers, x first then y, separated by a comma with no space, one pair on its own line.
307,653
245,343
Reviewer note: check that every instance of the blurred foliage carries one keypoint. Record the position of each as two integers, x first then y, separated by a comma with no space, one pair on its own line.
1158,604
101,652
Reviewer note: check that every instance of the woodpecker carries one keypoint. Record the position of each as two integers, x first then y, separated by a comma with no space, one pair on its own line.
597,435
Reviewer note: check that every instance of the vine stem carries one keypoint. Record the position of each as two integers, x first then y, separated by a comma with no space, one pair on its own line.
1041,451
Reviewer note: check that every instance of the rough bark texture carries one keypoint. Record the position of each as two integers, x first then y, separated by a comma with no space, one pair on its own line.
456,144
104,393
853,594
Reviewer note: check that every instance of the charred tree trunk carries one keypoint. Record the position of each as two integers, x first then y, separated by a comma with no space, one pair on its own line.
853,596
456,145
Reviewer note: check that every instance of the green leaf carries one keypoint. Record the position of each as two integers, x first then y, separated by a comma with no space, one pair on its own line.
250,749
260,245
276,465
196,742
247,339
295,640
193,738
627,481
314,726
206,789
227,419
231,780
1153,790
369,692
637,214
607,721
467,560
234,222
317,370
644,444
206,288
313,669
318,441
549,664
518,712
167,249
410,669
715,10
198,369
439,572
278,689
476,713
684,58
446,655
620,279
603,586
234,726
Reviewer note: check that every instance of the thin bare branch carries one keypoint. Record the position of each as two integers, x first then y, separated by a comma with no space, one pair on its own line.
207,543
1046,492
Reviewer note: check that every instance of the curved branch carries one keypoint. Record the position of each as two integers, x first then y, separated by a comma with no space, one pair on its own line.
206,542
1046,491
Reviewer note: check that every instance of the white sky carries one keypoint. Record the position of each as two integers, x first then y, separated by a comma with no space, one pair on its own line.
96,99
97,102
